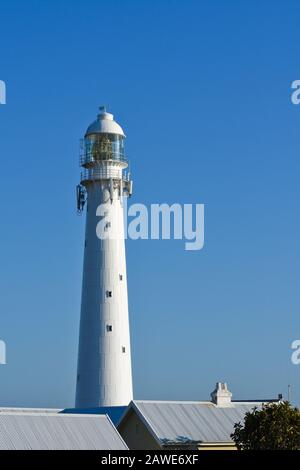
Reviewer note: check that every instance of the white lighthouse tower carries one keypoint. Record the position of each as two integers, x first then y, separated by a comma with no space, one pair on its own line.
104,359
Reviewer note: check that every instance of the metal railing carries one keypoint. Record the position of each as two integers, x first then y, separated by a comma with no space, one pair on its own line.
89,159
96,174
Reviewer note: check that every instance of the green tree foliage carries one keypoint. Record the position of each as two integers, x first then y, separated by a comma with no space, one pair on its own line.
275,426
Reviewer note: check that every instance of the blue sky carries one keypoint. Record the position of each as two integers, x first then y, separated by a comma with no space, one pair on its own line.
202,89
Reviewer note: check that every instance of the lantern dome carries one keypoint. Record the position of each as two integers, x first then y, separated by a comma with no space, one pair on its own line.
104,124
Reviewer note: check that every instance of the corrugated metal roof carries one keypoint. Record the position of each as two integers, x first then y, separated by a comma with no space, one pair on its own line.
190,421
114,412
4,409
52,431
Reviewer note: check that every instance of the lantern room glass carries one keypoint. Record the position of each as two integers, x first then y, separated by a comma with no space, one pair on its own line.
99,147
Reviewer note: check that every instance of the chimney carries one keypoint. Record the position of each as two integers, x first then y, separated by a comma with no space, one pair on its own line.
221,396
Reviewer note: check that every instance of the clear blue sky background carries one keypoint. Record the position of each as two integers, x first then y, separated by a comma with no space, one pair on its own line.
202,89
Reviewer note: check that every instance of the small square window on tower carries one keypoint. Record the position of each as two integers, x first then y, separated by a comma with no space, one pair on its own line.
123,349
108,293
121,277
107,225
108,328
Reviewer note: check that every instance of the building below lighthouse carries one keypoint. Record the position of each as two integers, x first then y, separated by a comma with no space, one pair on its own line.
104,375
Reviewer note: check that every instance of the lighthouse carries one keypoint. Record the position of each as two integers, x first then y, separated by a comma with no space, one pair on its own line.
104,359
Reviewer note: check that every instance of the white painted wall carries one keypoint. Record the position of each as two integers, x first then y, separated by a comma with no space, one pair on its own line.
104,370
